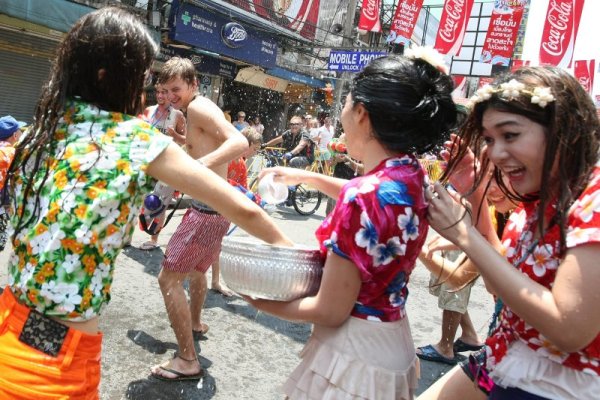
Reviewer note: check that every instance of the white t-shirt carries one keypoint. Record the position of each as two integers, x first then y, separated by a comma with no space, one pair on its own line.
326,136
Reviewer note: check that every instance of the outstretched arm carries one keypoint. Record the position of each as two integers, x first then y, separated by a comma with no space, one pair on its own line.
178,170
293,176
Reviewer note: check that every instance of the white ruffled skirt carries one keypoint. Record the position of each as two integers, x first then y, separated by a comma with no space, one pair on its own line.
359,360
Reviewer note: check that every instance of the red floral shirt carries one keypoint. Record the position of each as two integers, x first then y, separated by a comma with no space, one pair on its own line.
540,261
380,224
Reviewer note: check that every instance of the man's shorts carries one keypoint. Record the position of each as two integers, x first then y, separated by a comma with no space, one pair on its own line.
196,243
450,299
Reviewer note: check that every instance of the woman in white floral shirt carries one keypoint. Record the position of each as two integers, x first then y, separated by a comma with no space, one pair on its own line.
79,178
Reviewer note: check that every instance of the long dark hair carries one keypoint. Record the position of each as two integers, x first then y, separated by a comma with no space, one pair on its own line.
409,103
572,133
101,61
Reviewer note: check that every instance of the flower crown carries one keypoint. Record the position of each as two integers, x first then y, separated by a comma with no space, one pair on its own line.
429,55
512,90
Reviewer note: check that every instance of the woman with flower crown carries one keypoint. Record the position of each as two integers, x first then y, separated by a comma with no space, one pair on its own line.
361,346
540,130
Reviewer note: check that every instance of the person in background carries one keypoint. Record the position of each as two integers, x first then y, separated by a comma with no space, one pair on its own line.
10,132
240,123
227,113
77,182
164,117
540,130
361,345
307,122
170,122
324,135
257,125
299,149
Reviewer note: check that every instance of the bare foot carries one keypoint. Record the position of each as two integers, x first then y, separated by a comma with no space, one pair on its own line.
185,368
220,289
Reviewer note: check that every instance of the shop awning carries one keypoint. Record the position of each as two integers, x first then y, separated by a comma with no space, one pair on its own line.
297,78
254,76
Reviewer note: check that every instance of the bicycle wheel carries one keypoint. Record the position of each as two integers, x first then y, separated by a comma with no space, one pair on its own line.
306,200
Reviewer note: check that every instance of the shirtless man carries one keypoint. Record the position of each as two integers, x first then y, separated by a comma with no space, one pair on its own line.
196,243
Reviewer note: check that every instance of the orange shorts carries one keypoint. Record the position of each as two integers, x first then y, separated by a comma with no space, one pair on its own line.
27,373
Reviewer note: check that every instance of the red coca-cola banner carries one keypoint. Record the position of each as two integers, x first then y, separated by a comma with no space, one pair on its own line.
453,23
405,20
502,32
369,16
516,64
584,72
560,32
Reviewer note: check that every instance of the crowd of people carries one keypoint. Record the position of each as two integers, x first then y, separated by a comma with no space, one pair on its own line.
518,200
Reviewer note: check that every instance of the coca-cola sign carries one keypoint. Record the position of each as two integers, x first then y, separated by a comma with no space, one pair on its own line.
452,26
584,72
369,16
560,32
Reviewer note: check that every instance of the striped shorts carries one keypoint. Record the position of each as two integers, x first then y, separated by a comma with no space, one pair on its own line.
196,243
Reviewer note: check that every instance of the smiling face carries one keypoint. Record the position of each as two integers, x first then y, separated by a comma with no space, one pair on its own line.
179,93
161,95
516,145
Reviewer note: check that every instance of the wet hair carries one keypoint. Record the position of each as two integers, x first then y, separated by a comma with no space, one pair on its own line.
102,61
409,103
252,135
571,128
177,67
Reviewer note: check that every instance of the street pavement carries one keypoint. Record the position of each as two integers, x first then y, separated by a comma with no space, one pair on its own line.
246,354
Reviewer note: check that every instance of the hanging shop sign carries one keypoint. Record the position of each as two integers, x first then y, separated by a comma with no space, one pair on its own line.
502,33
203,63
202,29
404,21
255,77
453,24
352,61
234,35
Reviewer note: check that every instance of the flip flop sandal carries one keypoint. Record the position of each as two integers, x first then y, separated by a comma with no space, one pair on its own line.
460,346
429,353
179,376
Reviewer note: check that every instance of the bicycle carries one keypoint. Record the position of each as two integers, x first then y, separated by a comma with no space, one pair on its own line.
303,198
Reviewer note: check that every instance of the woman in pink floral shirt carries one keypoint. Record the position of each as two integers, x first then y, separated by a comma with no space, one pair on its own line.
540,130
361,346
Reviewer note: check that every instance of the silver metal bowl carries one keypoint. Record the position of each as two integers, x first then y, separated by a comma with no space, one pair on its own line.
270,272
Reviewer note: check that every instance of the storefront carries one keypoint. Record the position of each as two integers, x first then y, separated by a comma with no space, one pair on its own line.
26,54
